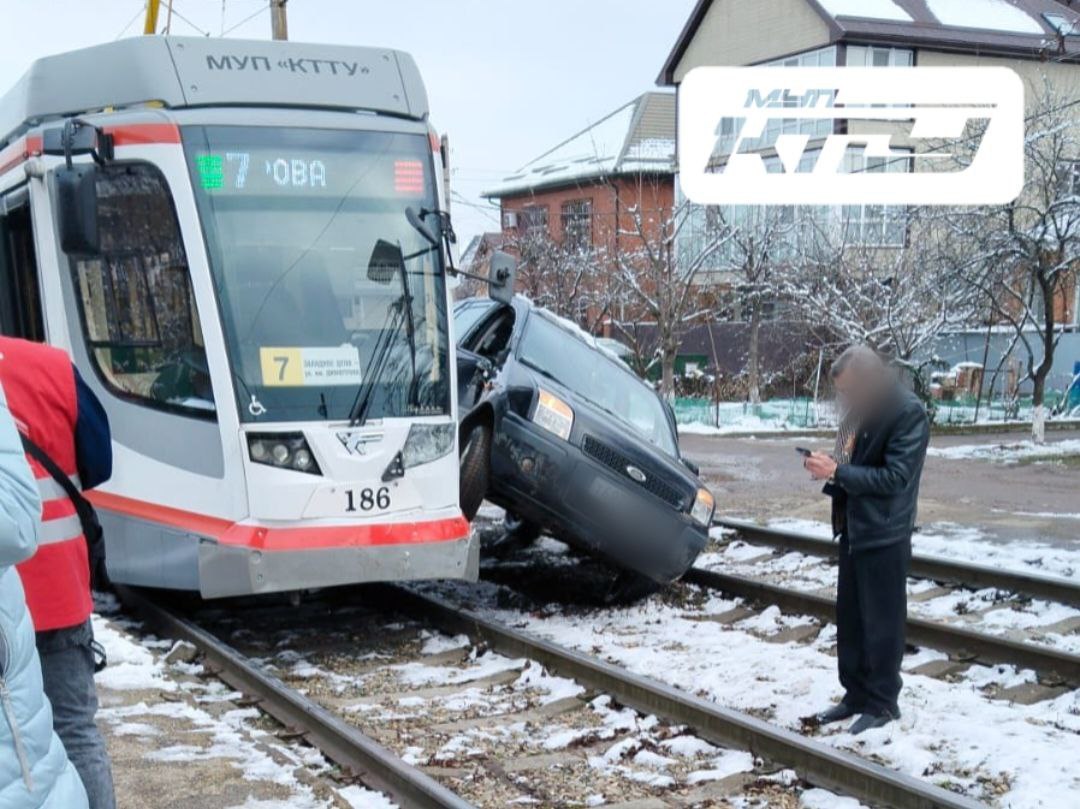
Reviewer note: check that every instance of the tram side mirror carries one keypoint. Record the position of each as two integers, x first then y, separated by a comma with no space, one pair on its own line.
77,210
385,263
502,277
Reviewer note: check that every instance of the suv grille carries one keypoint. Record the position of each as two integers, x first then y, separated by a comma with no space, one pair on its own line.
615,460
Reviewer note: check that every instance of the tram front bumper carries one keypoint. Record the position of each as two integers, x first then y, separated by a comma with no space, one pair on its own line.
227,569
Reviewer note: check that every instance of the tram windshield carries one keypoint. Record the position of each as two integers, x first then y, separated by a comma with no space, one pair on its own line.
303,228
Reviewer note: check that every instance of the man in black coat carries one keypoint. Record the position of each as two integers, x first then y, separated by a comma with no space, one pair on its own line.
873,479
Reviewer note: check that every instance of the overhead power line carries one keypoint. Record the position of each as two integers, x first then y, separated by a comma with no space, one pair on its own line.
134,17
184,19
246,20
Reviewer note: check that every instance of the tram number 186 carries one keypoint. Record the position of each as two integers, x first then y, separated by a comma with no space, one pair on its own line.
367,499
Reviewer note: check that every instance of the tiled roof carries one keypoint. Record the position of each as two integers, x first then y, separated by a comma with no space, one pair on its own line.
638,137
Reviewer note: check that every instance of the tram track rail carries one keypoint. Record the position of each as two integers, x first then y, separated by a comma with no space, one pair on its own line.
1052,666
943,571
379,768
817,763
342,743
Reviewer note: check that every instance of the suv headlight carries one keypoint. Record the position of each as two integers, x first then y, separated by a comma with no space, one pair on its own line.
554,415
283,450
704,505
427,443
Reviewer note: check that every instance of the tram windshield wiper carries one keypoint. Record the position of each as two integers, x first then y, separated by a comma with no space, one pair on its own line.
387,261
374,370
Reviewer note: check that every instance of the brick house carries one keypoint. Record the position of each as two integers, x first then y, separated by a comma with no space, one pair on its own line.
578,195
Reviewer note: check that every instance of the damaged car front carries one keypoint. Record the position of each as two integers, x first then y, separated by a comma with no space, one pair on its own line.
580,447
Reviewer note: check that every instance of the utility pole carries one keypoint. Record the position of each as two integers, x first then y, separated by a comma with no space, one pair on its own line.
278,19
152,7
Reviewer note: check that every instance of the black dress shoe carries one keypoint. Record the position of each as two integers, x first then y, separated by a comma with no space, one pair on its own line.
869,721
836,713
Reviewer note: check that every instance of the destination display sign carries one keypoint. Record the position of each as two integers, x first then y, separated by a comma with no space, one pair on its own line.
306,171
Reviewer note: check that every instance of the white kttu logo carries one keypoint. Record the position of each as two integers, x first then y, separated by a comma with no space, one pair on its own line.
835,136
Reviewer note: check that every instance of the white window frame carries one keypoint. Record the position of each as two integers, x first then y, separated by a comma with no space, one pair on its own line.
867,56
821,128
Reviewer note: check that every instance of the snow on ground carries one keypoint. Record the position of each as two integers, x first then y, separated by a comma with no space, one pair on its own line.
951,734
621,743
1020,451
202,710
435,643
1042,515
748,423
700,417
359,798
485,665
553,688
131,667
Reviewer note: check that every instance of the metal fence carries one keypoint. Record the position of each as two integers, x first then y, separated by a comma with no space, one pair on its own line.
779,415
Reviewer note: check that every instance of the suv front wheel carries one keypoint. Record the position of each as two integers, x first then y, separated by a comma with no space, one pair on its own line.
475,466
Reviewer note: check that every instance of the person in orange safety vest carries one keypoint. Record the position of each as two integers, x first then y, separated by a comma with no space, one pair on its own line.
66,432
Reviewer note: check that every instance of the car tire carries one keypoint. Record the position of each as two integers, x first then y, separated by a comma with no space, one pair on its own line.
475,466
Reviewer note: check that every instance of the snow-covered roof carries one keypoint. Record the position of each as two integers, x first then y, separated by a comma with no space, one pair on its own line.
638,137
990,15
874,9
1021,28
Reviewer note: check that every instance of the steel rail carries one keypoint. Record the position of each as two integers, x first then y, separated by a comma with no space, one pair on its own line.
1053,666
815,762
923,567
339,741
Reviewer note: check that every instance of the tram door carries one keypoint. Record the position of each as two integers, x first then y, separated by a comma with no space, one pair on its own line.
20,291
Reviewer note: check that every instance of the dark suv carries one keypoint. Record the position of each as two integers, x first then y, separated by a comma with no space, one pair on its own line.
565,437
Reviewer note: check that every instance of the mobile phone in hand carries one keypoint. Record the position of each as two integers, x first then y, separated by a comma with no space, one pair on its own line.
804,451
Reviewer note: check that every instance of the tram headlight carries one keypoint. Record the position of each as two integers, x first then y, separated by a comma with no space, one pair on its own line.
303,460
427,443
283,450
260,451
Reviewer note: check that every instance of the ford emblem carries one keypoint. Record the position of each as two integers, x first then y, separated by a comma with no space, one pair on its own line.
636,474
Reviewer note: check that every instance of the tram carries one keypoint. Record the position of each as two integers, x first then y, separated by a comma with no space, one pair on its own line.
244,247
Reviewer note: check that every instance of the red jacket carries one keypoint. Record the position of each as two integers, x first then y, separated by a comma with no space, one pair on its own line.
41,391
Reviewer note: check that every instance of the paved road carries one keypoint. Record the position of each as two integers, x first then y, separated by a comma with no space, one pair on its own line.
764,478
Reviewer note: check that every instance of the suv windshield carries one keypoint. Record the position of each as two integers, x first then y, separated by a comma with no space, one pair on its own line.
560,353
467,314
292,217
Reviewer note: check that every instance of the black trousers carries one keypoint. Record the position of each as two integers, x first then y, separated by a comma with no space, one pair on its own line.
871,611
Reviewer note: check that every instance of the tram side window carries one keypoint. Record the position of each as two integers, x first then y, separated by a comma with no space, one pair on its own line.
139,315
20,299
